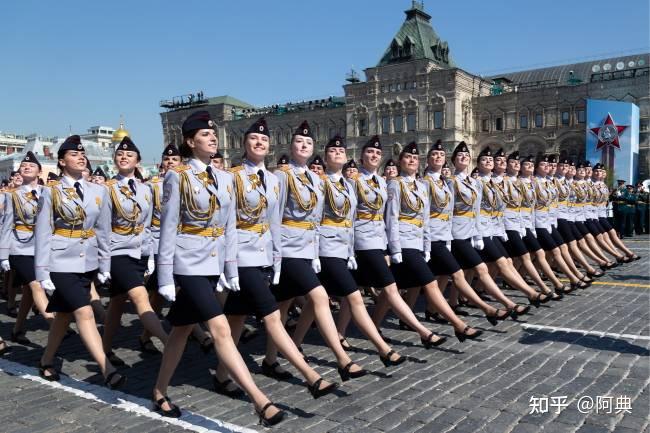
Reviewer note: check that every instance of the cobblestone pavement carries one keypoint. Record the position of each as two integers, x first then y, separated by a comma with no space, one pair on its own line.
601,350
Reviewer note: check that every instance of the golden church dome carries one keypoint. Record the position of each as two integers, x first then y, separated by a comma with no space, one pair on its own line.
120,133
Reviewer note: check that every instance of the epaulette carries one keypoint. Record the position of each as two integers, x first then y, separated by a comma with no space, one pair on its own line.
52,183
155,179
110,182
181,168
397,178
355,176
323,177
11,190
285,169
235,169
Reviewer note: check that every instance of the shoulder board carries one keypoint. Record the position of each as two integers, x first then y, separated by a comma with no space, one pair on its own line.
52,183
181,168
285,169
10,190
397,178
110,182
355,176
155,179
323,177
235,169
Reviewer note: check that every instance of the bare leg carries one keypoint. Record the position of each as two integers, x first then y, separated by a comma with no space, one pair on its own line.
577,254
26,302
586,249
58,329
616,241
564,251
595,248
434,296
529,268
540,255
112,320
343,318
491,287
364,322
513,278
91,338
170,359
156,301
149,319
271,355
40,300
564,268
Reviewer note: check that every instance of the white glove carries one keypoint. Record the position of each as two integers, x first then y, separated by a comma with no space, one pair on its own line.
504,238
5,265
396,258
234,284
315,265
352,264
222,284
151,265
48,286
427,256
478,243
168,292
277,268
534,232
448,245
102,277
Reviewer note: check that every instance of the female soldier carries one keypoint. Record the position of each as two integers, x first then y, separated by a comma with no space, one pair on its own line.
465,229
390,170
409,241
259,256
72,240
336,253
131,207
301,207
198,242
17,244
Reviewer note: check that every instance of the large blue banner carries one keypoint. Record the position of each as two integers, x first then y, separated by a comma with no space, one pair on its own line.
613,137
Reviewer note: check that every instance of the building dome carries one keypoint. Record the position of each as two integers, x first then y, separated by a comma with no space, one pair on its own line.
120,133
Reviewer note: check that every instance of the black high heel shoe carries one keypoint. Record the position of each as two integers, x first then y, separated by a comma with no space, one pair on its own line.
495,319
20,338
553,296
174,412
586,281
462,336
54,375
346,374
316,391
514,313
595,274
535,301
385,359
271,370
275,419
434,317
222,388
404,327
117,384
428,344
344,344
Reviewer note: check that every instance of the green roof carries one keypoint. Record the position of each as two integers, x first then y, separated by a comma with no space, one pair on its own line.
415,40
228,100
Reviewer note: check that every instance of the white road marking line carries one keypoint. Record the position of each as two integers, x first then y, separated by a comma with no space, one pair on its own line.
585,332
125,402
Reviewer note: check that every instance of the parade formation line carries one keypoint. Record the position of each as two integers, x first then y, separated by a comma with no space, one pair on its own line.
584,331
614,283
124,402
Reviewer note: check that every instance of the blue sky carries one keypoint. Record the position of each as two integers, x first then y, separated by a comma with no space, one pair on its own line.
83,63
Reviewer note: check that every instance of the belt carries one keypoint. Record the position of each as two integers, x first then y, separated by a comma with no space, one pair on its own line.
440,216
464,213
370,216
24,228
411,220
305,225
563,203
135,230
497,214
155,221
333,223
74,233
487,213
259,228
514,209
525,209
542,209
208,232
554,204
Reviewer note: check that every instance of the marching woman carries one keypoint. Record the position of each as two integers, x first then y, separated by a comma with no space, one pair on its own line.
259,261
336,251
370,243
390,170
72,240
494,252
409,242
17,244
131,207
508,188
301,209
198,242
467,238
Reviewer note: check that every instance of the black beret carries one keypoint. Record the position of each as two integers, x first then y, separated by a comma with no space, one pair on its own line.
475,171
216,155
390,163
71,143
259,127
197,120
335,141
461,147
30,157
599,166
171,150
529,158
580,164
411,148
283,159
373,142
437,146
127,144
317,161
303,129
445,165
499,154
553,158
485,152
52,176
350,164
565,160
541,158
572,163
514,155
99,172
587,164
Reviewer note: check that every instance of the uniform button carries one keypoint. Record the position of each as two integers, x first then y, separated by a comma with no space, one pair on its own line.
81,254
261,249
81,242
213,254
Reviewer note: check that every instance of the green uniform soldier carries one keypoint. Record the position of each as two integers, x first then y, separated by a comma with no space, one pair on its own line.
642,198
629,208
618,203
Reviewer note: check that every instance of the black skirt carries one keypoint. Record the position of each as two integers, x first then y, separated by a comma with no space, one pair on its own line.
442,260
195,300
531,242
501,245
605,224
373,271
72,291
296,279
584,231
336,277
564,227
254,296
545,239
152,280
413,271
126,273
515,245
557,237
23,266
594,226
466,256
490,252
574,229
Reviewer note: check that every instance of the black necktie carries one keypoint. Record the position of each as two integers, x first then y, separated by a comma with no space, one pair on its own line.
132,186
342,182
80,193
375,181
260,174
208,170
34,194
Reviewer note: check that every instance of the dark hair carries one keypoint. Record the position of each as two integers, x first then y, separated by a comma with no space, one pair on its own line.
184,149
137,174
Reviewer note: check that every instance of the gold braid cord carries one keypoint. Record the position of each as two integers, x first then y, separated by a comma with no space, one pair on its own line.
251,213
526,198
487,186
562,190
293,190
156,197
131,218
342,212
187,199
58,206
434,197
406,199
460,196
543,197
507,193
19,212
376,205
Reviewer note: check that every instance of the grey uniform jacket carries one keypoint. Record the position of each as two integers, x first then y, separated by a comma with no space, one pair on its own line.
17,232
467,206
528,201
339,209
499,184
155,184
543,199
407,215
490,204
577,198
300,188
194,240
602,197
130,217
72,234
590,209
369,226
512,199
553,206
441,206
563,190
258,216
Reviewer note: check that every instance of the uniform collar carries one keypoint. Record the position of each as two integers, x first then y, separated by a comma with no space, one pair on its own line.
335,177
407,178
197,165
461,175
252,168
435,175
485,177
366,173
123,180
497,177
297,168
69,182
